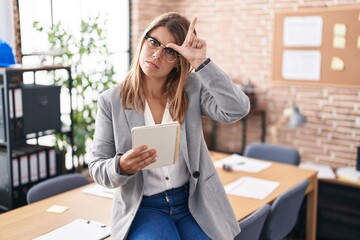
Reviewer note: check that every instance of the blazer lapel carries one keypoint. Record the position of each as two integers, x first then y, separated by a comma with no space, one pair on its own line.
184,151
134,118
183,145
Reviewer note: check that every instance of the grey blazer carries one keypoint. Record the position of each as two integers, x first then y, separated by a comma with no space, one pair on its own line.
212,94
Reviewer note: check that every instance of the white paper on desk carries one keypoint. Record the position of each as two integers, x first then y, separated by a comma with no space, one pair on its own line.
100,191
251,187
324,171
241,163
348,173
78,229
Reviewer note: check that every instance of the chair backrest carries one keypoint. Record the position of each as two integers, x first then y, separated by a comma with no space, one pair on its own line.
284,213
273,153
56,185
252,225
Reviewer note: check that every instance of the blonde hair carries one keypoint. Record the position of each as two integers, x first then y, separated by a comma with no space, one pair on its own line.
132,91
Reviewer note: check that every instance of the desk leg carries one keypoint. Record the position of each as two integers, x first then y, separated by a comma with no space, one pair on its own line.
263,126
311,210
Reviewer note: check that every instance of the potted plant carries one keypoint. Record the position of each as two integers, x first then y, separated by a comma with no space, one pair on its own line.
87,53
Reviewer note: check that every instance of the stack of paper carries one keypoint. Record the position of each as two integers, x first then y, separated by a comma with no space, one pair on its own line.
348,173
324,171
251,187
240,163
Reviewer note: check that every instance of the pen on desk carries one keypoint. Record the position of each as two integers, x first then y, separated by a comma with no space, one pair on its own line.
229,167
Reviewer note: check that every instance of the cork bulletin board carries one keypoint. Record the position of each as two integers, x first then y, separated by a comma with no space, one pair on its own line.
317,46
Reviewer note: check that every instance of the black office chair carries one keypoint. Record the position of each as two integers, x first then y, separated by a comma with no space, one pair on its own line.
284,213
252,225
56,185
273,153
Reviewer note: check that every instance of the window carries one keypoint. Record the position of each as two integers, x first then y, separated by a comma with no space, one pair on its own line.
36,50
35,45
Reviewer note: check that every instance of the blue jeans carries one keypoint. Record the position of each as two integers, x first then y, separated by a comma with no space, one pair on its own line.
166,216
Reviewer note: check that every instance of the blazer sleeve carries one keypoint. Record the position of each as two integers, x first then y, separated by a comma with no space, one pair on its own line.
103,166
221,99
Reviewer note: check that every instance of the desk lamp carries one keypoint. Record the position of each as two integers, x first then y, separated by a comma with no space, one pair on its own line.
291,117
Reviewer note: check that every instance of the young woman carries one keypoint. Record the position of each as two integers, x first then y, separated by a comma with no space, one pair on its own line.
185,200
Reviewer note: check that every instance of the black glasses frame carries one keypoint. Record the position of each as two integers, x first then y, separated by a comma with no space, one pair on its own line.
147,37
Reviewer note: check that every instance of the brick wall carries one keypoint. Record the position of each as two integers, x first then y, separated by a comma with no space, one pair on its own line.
17,32
239,35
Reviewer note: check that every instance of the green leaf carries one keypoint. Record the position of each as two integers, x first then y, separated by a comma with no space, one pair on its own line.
78,48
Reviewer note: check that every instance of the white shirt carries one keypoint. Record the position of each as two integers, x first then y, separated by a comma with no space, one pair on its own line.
164,178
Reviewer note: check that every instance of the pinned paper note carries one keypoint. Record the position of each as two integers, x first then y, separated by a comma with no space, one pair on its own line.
301,65
337,64
339,42
358,42
303,31
57,209
339,29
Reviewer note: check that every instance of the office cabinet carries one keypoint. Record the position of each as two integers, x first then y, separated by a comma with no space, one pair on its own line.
27,113
338,211
38,102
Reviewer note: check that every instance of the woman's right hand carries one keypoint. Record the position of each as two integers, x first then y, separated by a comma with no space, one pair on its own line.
193,47
136,159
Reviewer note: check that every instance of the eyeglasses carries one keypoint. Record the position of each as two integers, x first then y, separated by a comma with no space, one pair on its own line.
170,54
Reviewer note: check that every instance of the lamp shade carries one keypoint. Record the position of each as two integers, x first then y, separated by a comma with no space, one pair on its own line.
296,118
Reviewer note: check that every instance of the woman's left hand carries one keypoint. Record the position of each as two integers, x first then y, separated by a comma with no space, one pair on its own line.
193,48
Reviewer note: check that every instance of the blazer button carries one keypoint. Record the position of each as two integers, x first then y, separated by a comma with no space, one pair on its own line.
196,174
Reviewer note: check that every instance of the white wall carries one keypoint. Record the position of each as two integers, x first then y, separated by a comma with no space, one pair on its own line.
7,22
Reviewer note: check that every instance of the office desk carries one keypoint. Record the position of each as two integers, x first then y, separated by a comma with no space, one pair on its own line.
288,176
30,221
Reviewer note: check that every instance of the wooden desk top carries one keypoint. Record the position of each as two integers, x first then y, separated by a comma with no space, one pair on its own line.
32,220
288,175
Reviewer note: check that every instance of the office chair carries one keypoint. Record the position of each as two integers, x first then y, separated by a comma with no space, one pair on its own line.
252,225
284,213
273,153
55,186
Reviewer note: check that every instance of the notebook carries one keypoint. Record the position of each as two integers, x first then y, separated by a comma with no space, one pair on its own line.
78,229
164,138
